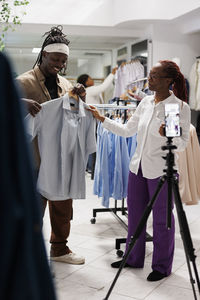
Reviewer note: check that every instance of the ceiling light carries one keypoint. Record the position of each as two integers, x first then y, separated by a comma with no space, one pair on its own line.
36,50
144,54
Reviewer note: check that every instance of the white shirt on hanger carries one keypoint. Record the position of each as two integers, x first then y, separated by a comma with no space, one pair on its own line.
146,122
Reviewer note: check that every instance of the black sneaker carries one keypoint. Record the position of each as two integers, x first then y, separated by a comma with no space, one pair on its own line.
117,264
155,276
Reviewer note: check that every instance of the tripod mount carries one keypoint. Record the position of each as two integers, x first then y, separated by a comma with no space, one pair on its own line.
171,177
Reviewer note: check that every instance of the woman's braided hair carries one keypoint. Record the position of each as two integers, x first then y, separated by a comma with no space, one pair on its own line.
172,70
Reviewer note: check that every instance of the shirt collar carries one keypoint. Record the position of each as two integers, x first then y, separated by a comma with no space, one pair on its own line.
168,99
66,105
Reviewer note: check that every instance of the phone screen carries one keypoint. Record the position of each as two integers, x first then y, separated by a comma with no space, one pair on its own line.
172,127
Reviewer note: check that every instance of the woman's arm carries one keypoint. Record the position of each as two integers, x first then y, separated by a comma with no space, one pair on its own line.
95,90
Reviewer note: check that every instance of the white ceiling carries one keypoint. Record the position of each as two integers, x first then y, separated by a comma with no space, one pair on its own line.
100,38
104,12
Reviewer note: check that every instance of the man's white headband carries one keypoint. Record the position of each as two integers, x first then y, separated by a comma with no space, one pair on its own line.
57,47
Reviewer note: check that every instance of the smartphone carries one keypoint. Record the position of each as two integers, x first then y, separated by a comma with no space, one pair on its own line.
172,115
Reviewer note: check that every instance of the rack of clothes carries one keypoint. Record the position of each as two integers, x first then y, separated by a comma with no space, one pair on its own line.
112,162
112,165
129,75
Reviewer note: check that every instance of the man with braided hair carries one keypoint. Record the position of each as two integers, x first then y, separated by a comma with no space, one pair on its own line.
41,84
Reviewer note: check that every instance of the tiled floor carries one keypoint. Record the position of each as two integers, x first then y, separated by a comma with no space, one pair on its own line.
96,242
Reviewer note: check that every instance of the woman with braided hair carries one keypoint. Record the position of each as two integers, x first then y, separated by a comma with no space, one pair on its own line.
41,84
147,164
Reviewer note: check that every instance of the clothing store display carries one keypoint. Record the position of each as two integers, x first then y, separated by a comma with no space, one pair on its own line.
93,93
24,271
147,119
66,137
112,165
194,82
189,166
125,75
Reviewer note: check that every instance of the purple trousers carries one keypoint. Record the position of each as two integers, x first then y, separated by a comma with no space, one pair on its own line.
140,192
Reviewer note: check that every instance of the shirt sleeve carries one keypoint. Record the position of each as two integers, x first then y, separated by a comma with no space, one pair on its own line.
32,125
91,137
128,129
185,118
98,89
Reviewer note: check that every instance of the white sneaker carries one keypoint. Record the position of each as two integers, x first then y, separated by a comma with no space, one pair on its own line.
71,258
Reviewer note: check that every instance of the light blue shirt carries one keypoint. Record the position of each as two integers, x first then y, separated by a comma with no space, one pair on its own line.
121,171
66,136
112,166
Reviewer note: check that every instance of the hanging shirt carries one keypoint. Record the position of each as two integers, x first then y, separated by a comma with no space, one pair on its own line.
121,170
102,184
125,75
112,165
66,136
146,122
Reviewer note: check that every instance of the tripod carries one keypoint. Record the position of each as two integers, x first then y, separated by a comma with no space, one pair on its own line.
172,182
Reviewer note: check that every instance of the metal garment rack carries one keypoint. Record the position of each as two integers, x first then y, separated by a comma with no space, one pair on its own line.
115,209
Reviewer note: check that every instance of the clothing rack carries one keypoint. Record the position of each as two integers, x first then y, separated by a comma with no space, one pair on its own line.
118,107
117,209
115,107
138,80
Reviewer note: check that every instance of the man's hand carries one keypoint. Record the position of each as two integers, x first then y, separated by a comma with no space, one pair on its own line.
79,90
33,106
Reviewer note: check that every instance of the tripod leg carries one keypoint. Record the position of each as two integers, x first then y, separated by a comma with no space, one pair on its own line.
137,232
169,203
185,235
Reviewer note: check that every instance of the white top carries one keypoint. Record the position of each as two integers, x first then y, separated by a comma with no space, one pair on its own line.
66,136
146,122
93,93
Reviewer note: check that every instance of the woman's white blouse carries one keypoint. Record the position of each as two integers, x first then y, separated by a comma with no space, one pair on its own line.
146,122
